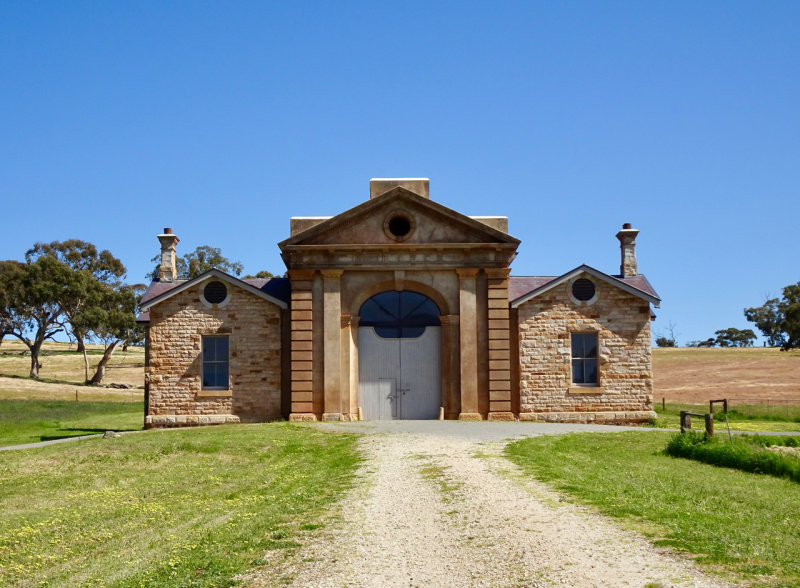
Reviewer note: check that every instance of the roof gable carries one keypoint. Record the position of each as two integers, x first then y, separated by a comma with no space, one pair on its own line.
159,294
640,288
366,224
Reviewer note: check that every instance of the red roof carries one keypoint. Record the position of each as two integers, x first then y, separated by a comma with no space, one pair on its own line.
518,286
277,287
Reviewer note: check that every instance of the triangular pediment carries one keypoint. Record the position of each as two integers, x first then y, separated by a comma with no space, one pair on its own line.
399,217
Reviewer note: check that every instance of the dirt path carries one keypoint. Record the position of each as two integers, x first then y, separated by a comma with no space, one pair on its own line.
447,511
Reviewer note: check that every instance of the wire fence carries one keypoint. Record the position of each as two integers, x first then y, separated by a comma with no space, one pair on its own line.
752,408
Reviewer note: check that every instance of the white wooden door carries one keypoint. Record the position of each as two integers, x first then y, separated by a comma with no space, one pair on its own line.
399,378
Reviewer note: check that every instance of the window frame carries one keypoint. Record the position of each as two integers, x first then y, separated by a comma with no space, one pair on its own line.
212,305
583,358
582,303
226,362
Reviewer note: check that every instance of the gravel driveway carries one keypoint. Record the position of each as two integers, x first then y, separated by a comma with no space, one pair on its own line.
438,505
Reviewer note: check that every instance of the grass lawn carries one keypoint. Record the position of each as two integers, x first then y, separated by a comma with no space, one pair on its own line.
784,419
24,421
734,522
190,507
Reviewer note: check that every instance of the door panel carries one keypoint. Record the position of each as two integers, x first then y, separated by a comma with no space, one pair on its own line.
399,378
378,370
420,376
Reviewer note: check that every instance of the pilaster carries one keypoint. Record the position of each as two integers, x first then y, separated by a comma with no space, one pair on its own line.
468,338
349,337
302,358
499,346
332,348
450,361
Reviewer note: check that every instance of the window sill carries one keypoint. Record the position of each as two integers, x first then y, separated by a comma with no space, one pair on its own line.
220,393
586,390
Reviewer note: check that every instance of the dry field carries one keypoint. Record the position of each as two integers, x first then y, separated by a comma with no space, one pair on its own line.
681,375
64,373
690,375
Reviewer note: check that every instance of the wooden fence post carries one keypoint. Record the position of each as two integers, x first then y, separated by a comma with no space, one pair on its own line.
686,421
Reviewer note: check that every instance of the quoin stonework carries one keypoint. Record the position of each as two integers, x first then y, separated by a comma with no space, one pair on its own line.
399,308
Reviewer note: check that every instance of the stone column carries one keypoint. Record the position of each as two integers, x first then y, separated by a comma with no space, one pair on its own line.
450,363
468,319
349,337
302,349
499,348
332,351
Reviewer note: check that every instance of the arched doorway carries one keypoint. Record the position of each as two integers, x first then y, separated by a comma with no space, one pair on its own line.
399,350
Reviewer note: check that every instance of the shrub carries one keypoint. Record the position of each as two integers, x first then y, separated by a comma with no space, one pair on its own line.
744,454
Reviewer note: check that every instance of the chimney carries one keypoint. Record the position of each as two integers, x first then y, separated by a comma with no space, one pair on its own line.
420,186
627,246
168,270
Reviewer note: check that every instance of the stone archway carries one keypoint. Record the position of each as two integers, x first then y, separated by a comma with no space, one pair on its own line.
399,349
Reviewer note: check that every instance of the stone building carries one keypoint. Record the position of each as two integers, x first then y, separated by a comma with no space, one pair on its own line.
399,308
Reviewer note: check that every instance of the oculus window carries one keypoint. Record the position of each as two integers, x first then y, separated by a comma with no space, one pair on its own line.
398,225
584,358
215,362
583,289
396,315
215,292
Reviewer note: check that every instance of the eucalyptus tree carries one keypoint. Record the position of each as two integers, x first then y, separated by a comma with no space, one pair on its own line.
31,301
81,256
108,317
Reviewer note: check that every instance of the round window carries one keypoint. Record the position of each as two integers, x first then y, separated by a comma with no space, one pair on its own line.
215,292
399,226
583,289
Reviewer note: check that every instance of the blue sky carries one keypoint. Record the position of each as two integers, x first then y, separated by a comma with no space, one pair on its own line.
224,119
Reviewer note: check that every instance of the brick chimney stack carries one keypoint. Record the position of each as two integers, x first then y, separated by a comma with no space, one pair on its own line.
627,246
168,269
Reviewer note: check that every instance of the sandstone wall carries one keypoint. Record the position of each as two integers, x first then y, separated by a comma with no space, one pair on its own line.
622,321
174,374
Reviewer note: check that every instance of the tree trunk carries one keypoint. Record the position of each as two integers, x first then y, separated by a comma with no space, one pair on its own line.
35,365
85,366
97,378
81,344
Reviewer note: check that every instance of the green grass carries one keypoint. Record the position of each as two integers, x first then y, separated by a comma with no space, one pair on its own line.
191,507
28,421
743,417
734,522
742,453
